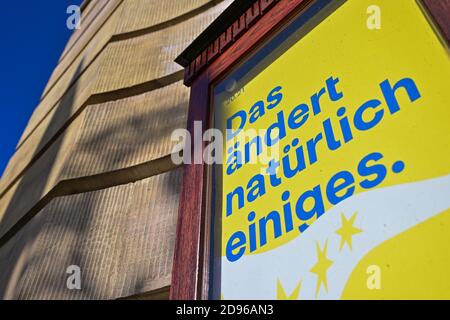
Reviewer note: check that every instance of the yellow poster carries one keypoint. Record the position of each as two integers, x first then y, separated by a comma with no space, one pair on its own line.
336,175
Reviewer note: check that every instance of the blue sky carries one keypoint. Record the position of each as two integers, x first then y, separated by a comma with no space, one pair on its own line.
33,35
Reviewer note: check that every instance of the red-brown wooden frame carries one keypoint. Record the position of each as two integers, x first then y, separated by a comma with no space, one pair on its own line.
191,268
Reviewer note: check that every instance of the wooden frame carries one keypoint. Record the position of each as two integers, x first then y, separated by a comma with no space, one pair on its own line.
263,19
439,11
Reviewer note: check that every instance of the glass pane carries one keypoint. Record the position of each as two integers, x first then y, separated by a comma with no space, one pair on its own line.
336,158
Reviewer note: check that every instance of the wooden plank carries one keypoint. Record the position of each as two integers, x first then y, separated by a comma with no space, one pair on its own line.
128,132
187,282
440,12
141,14
133,61
92,41
69,91
91,20
127,63
45,134
122,238
106,137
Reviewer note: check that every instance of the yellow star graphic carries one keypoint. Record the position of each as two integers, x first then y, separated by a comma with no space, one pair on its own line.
321,267
347,231
281,294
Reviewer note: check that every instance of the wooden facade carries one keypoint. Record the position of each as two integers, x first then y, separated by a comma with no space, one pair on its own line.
92,183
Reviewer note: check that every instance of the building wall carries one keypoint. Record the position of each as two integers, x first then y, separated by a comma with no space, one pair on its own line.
91,182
